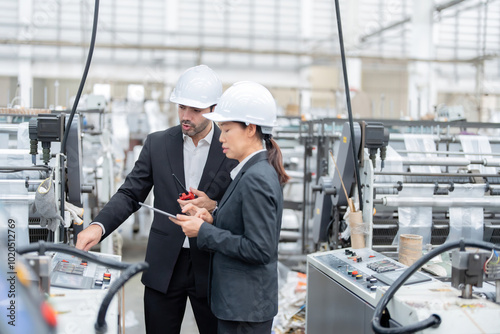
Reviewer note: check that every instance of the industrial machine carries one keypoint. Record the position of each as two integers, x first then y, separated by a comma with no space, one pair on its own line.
428,179
347,288
79,285
438,184
48,285
25,171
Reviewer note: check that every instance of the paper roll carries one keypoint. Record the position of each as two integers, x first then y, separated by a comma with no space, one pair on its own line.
357,230
410,248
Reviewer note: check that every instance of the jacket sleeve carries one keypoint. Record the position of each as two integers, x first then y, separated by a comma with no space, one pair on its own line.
260,219
136,188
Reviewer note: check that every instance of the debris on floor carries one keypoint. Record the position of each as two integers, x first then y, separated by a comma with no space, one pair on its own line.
291,317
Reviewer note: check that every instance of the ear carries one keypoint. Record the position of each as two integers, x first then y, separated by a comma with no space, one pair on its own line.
251,130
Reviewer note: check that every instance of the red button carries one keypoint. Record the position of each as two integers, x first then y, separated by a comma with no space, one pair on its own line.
48,314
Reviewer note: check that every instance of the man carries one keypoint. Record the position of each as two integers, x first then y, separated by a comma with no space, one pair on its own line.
190,151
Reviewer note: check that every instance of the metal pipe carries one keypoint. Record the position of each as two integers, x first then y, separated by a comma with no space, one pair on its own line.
450,153
437,174
9,128
492,162
430,185
16,198
403,136
21,168
300,53
439,201
11,181
439,161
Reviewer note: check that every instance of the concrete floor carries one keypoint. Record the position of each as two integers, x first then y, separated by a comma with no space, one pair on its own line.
134,250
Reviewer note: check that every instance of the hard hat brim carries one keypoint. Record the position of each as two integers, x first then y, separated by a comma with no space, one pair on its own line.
267,129
218,117
191,103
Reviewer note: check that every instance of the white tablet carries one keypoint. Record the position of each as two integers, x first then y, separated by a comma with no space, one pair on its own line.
158,210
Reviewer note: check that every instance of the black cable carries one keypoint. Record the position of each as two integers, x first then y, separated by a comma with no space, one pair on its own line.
100,324
41,247
348,101
84,77
433,320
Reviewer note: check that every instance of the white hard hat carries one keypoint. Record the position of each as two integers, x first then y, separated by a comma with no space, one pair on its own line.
247,102
197,87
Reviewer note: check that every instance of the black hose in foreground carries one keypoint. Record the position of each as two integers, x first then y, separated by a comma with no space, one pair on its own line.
41,247
100,324
433,320
129,270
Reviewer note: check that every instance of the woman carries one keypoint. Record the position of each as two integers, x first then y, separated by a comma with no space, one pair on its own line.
243,232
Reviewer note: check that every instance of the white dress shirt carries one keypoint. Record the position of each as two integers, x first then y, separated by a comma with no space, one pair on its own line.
237,169
195,158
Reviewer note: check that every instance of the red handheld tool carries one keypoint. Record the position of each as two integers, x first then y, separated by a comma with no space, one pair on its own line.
187,195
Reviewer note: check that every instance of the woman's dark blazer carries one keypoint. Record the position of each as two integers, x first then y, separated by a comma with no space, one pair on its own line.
244,240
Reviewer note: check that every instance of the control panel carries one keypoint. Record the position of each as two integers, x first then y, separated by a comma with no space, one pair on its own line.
362,270
72,272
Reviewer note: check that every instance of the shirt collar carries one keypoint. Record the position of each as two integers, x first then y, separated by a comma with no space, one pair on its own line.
237,169
207,138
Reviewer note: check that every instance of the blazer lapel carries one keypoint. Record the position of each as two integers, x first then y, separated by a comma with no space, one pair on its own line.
229,190
175,151
258,157
214,161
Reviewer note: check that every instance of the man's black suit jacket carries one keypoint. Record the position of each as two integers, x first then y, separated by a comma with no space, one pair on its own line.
162,156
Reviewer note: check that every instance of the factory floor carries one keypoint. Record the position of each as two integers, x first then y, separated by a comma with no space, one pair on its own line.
133,250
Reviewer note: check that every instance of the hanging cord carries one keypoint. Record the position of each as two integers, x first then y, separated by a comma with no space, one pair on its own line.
100,324
84,77
348,102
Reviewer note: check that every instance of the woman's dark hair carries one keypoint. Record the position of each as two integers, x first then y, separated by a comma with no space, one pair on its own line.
274,155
